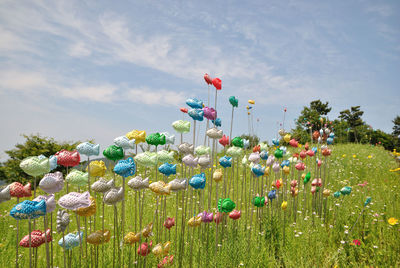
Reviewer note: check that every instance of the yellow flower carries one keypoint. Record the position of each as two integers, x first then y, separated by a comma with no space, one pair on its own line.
284,205
97,168
370,156
394,170
354,156
393,221
344,155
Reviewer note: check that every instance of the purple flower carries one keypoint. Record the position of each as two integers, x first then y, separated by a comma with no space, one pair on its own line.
206,217
210,113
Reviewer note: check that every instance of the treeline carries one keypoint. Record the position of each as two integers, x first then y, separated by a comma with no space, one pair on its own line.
348,127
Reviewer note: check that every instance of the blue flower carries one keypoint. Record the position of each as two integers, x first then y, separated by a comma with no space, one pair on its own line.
314,149
28,210
167,169
125,168
194,103
258,170
367,201
88,149
246,143
124,142
225,161
217,122
272,195
275,142
71,240
285,163
198,181
53,162
264,155
329,140
196,114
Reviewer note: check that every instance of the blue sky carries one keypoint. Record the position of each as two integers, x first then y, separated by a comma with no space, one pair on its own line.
77,70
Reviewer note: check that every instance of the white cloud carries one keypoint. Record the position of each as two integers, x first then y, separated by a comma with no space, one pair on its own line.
381,10
9,41
79,49
22,80
155,97
99,93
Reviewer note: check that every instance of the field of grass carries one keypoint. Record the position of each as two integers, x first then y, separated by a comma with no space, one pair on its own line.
271,238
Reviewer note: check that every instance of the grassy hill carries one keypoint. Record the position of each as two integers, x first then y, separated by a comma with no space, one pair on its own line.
273,238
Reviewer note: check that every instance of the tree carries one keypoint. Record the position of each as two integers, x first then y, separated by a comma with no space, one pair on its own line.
384,139
353,118
34,145
253,139
396,127
311,118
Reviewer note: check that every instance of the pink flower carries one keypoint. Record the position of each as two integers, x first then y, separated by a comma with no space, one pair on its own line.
363,184
169,222
218,217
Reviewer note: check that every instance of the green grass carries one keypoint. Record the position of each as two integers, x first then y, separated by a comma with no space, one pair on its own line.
313,241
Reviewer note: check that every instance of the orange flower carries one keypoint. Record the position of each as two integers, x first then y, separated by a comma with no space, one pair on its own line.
393,221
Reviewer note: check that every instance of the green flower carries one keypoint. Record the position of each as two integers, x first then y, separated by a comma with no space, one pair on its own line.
226,205
234,101
238,142
258,201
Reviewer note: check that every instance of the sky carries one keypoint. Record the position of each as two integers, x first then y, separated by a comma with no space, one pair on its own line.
79,70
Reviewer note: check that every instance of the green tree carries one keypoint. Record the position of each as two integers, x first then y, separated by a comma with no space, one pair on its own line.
396,127
311,118
33,145
353,118
378,137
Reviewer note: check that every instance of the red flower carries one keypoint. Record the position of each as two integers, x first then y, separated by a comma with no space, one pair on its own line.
169,222
356,242
224,141
184,110
217,83
144,248
18,190
68,158
293,143
208,79
235,214
306,146
257,148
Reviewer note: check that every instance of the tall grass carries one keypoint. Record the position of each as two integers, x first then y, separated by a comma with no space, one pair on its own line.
313,241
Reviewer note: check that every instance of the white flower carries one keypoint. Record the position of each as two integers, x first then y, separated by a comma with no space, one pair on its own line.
346,232
343,242
375,246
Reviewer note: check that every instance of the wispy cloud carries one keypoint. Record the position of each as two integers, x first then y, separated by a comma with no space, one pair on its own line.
156,97
379,9
79,49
